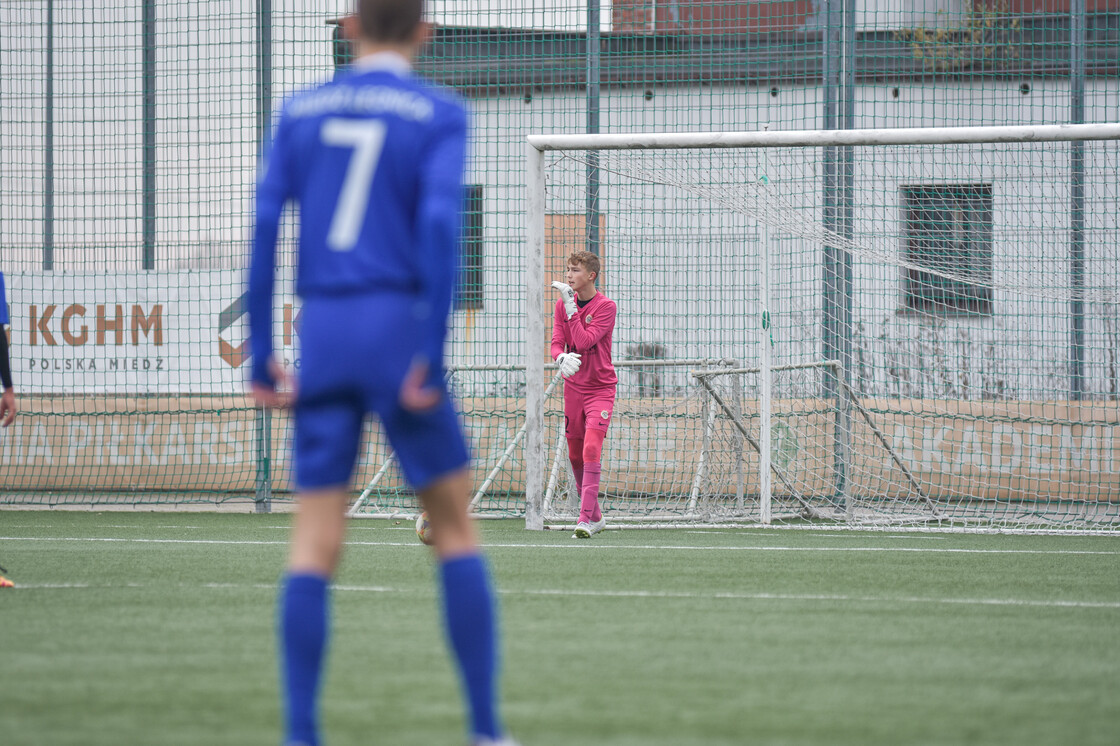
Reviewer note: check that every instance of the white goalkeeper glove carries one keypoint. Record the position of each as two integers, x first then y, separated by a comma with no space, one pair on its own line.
569,363
569,297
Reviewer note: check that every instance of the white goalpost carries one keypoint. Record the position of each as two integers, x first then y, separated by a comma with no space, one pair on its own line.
880,327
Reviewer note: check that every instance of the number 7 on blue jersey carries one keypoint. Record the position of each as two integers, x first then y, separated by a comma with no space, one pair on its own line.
365,137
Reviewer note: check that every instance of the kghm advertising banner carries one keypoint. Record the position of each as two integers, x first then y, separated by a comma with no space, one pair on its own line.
146,333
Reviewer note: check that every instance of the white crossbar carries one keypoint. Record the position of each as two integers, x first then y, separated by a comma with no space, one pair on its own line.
824,138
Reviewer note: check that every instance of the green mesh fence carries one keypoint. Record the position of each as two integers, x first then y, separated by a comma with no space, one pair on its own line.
128,154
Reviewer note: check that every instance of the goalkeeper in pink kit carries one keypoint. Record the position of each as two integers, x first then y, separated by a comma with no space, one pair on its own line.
582,327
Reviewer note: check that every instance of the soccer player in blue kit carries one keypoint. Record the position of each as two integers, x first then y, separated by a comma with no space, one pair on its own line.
8,407
375,161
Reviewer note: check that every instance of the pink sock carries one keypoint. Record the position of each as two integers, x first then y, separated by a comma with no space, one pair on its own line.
575,458
578,471
589,495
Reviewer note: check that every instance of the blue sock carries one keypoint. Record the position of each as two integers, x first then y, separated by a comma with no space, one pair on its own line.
303,640
468,611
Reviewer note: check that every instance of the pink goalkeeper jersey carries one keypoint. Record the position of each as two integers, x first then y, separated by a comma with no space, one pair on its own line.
588,333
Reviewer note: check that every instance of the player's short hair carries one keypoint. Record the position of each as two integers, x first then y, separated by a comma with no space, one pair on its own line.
389,20
585,259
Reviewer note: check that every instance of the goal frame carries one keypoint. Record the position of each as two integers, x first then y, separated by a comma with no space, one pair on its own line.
535,457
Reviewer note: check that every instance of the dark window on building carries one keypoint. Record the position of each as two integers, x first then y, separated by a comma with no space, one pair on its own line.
948,229
341,47
468,291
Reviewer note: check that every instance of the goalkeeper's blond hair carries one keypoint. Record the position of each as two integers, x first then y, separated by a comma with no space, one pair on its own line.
587,260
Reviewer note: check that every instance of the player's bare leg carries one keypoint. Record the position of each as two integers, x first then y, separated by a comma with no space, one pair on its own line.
447,501
318,529
468,602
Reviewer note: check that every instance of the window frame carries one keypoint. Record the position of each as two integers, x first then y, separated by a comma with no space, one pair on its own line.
954,220
469,278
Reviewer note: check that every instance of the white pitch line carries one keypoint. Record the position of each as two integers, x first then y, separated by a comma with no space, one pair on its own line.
900,537
140,541
582,546
671,595
827,597
139,526
110,525
815,535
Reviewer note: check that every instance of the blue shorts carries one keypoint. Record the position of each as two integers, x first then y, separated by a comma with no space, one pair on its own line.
356,350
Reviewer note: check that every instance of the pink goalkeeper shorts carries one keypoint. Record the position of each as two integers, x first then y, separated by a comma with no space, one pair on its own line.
583,411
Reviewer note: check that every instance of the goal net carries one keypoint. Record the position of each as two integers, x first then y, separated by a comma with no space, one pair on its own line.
870,327
490,398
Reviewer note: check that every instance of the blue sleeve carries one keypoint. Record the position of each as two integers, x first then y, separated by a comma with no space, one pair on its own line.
439,223
5,362
3,303
273,190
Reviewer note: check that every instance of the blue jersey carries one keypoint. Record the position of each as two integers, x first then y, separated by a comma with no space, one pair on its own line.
375,161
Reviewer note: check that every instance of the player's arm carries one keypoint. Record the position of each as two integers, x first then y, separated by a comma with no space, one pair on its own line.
273,190
439,220
559,322
585,336
8,406
569,362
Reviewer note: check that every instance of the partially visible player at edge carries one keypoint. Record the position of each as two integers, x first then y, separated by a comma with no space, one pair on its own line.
8,407
375,161
582,327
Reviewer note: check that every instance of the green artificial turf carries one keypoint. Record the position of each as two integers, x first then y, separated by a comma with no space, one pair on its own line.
158,628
